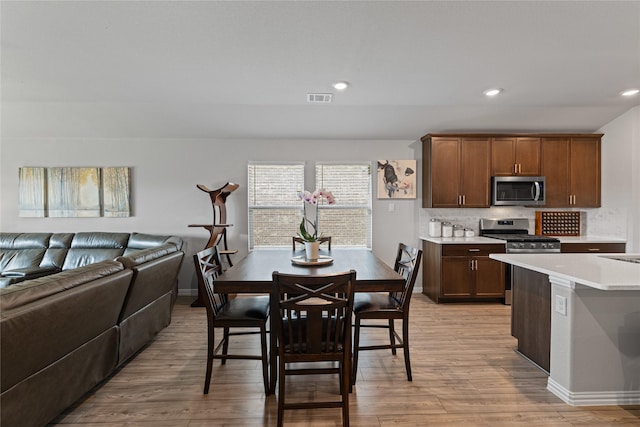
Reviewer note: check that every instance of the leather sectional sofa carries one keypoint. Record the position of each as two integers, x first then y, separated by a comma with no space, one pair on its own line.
105,297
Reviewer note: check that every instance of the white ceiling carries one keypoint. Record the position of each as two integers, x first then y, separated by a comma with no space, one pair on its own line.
240,69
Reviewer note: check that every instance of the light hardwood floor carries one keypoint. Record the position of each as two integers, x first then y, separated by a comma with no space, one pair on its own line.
465,373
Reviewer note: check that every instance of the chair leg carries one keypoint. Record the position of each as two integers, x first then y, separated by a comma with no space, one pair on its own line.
281,391
210,347
356,347
405,349
225,345
265,362
345,386
392,336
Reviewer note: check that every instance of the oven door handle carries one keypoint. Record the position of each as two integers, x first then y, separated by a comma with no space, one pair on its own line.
533,251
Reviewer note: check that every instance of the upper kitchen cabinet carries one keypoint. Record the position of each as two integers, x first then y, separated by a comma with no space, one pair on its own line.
515,156
456,171
571,167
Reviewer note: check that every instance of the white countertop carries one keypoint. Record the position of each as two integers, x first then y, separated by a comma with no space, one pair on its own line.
591,270
477,240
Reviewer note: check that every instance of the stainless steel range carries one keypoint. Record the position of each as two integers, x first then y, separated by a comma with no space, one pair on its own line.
515,233
518,240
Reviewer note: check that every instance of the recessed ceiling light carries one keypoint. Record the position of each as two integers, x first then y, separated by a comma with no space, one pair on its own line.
340,85
630,92
492,92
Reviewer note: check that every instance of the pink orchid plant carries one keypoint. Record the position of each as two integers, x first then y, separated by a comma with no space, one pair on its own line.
308,198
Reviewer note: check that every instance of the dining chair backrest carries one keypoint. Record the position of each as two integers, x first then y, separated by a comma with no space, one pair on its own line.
314,313
407,264
208,268
324,239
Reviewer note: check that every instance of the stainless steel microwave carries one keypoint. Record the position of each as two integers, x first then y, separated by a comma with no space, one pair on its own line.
517,191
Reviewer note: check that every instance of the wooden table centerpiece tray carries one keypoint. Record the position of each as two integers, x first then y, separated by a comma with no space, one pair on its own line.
302,260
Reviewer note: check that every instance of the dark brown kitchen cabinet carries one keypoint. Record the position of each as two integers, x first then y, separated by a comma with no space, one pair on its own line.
457,171
531,315
515,156
462,272
592,247
458,167
571,167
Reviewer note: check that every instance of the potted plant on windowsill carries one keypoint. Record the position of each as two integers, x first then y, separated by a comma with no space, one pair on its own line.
309,224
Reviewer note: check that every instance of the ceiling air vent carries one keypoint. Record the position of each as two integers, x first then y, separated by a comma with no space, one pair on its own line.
319,98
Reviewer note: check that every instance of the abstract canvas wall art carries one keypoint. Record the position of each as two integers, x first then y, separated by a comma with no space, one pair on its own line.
32,192
115,192
73,192
84,192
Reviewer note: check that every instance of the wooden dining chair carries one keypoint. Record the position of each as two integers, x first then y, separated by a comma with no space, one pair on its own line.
295,240
314,326
390,306
222,312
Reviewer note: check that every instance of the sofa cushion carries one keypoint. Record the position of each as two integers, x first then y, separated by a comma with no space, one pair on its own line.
154,274
140,241
39,331
141,256
91,247
59,245
12,259
26,292
24,240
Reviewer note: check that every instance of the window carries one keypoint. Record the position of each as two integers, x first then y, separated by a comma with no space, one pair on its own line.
275,211
274,208
348,221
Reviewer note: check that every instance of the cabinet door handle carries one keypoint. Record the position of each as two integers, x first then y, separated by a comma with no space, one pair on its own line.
593,249
515,168
470,264
464,200
475,264
474,250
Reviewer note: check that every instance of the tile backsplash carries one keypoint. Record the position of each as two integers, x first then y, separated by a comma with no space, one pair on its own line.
594,222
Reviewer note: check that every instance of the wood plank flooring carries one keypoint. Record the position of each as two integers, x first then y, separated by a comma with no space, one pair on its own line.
465,373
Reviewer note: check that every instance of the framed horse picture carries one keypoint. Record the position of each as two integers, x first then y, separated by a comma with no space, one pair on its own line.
397,179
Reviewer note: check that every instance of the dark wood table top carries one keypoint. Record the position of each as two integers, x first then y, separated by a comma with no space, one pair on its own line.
253,274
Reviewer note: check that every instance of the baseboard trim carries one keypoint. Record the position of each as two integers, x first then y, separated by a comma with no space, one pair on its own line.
594,398
187,292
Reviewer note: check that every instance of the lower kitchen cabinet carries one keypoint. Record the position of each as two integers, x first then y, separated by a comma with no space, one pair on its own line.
531,305
592,247
531,315
462,272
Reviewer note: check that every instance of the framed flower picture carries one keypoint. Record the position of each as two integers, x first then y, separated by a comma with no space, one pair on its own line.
397,179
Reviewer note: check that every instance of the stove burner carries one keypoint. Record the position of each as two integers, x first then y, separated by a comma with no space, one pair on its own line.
522,238
516,235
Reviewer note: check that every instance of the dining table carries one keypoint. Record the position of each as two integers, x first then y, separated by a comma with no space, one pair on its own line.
253,274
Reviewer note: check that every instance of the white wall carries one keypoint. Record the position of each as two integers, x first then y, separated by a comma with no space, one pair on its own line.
165,199
621,172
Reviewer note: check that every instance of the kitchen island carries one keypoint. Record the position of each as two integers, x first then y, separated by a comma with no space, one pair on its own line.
594,342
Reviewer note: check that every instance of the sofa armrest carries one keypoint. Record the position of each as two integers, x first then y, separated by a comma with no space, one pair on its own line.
30,272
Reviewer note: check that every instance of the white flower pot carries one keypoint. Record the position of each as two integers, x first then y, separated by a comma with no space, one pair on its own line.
311,250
